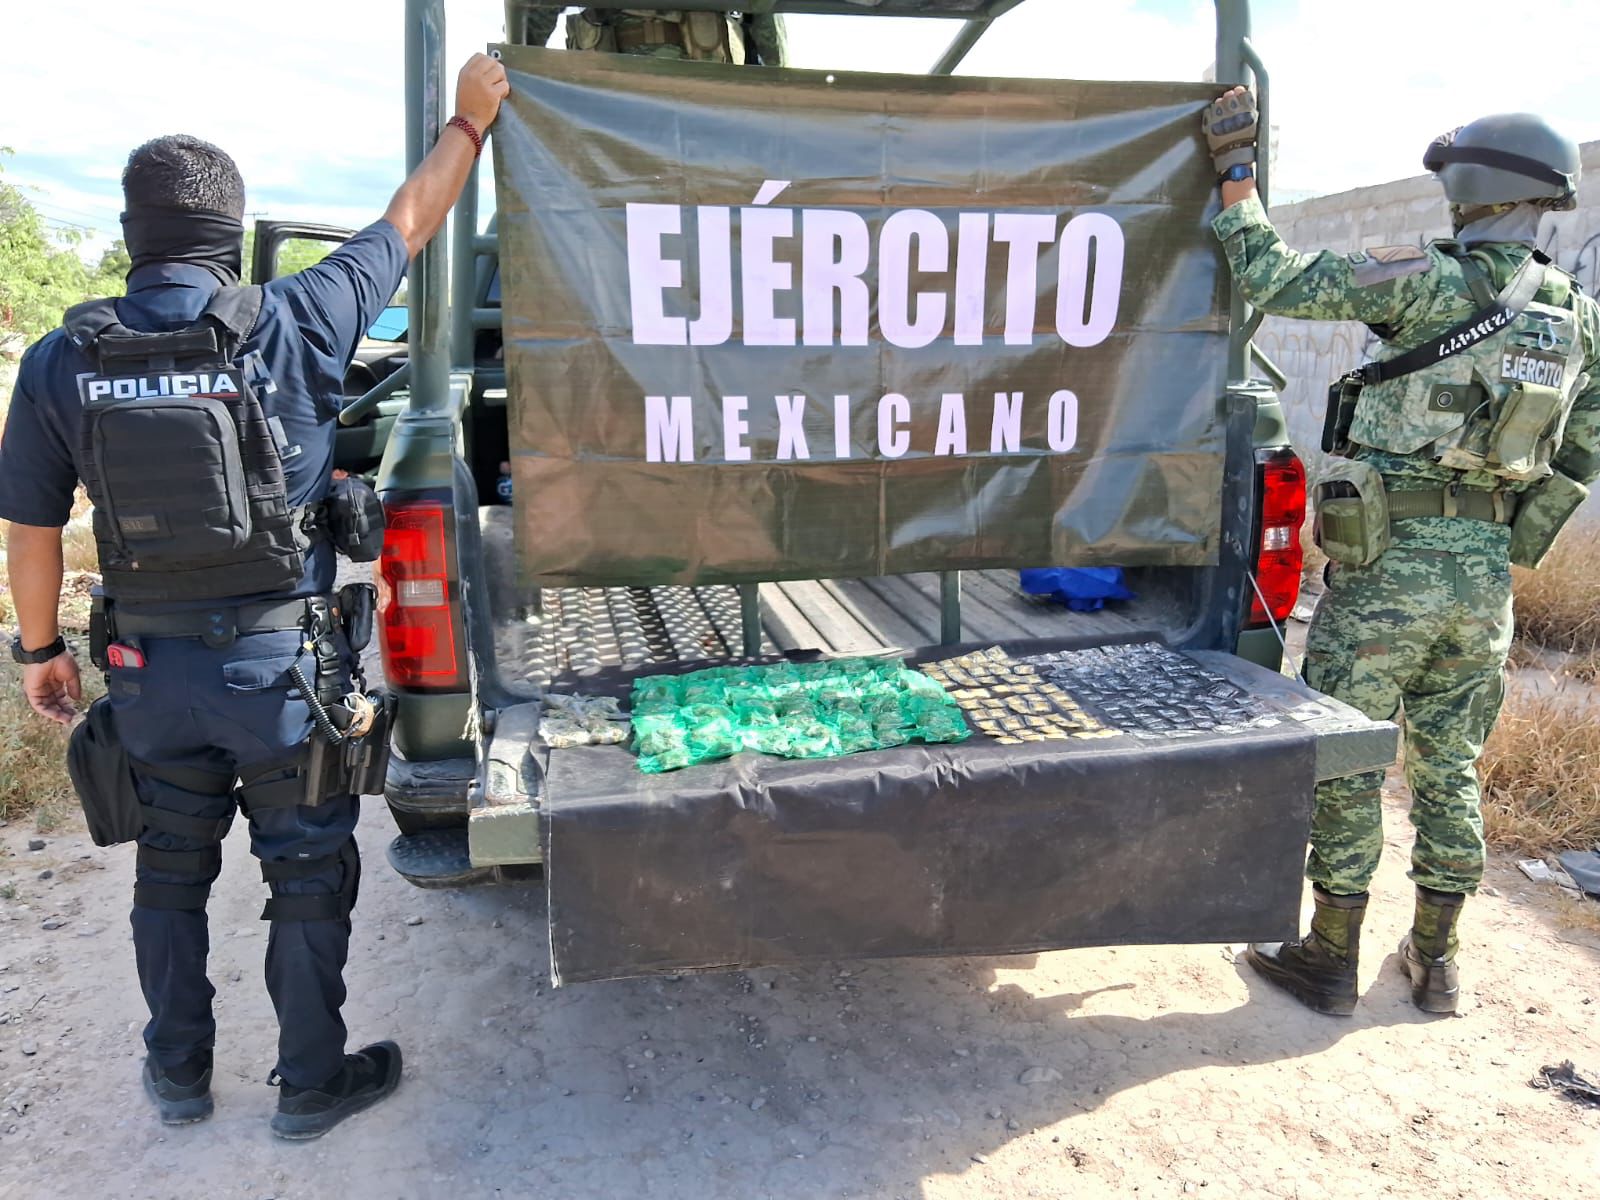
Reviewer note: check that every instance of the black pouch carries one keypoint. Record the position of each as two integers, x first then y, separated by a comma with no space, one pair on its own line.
99,629
103,778
357,604
1341,414
355,519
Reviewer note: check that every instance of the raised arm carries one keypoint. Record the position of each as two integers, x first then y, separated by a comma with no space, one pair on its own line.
1320,286
426,197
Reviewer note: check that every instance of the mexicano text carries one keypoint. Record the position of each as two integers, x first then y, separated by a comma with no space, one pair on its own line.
810,427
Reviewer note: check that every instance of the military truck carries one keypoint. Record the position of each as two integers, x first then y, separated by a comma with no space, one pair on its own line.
469,650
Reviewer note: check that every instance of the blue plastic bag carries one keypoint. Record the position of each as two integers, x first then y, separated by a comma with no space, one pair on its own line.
1082,589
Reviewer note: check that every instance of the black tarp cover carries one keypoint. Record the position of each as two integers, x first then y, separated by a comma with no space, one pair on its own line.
975,848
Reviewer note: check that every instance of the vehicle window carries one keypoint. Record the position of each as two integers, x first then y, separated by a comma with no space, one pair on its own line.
296,254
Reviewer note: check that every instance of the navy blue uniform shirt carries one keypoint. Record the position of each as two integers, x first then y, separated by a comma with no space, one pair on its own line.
310,326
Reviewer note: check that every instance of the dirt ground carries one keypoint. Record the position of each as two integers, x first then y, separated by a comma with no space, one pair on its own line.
1130,1072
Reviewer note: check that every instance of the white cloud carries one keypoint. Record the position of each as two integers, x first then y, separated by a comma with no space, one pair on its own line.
307,97
1361,87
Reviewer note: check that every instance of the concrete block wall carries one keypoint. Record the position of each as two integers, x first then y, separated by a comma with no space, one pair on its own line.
1406,212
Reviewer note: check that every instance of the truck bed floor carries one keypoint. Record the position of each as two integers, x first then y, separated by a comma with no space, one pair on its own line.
579,630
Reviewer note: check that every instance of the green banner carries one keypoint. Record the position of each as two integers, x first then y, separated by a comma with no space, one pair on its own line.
771,324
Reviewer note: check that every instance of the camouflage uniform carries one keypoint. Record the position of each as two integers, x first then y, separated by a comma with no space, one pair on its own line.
763,36
1425,629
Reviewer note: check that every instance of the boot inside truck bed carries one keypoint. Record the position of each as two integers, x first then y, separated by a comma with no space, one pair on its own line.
1186,823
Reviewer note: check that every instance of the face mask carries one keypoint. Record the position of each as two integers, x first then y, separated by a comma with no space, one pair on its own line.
211,240
1519,223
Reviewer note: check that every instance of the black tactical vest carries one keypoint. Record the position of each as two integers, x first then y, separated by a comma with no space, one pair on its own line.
180,460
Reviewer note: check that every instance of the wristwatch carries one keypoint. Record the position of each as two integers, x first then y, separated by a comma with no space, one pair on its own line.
33,657
1237,173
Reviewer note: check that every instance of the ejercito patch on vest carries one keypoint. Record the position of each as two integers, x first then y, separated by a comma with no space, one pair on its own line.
1528,366
1383,263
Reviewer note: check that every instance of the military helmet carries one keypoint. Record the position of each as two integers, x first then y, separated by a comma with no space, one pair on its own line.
1506,158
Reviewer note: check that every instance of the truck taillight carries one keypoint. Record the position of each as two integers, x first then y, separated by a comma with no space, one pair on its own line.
420,647
1279,557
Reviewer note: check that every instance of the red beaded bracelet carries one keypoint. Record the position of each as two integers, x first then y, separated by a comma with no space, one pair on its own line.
467,128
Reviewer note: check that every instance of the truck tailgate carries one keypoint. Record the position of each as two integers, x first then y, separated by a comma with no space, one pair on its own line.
1149,835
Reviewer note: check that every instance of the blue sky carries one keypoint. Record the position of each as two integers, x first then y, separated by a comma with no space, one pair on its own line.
308,97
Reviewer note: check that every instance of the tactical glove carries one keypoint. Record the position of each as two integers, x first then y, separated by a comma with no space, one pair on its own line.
1230,129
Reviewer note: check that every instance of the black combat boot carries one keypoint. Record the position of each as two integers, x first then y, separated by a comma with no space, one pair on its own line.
1428,952
1319,970
182,1094
366,1077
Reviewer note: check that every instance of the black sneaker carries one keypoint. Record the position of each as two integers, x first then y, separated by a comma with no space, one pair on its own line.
182,1094
366,1077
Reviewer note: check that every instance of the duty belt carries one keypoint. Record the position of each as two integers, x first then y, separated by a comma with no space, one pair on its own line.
214,626
1472,503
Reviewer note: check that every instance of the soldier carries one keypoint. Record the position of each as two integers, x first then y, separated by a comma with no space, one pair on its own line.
747,40
1463,449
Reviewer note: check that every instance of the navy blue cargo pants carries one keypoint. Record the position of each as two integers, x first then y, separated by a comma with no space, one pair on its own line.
212,730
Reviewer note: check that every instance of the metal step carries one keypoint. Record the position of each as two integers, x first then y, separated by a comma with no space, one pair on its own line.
437,859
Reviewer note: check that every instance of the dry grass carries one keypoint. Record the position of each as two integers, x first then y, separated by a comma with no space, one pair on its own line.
1524,656
1558,606
78,553
1578,914
81,564
33,771
1541,772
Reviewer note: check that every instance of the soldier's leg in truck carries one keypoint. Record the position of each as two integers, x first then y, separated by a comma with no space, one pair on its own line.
1374,627
1451,706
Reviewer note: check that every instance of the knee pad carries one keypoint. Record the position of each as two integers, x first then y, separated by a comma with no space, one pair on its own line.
195,869
325,906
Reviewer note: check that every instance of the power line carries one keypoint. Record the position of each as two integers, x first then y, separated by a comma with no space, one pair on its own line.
53,207
63,214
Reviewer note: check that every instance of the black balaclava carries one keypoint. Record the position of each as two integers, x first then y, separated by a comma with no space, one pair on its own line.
211,240
185,204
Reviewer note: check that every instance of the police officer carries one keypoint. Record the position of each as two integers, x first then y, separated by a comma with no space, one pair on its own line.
748,39
200,694
1464,448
